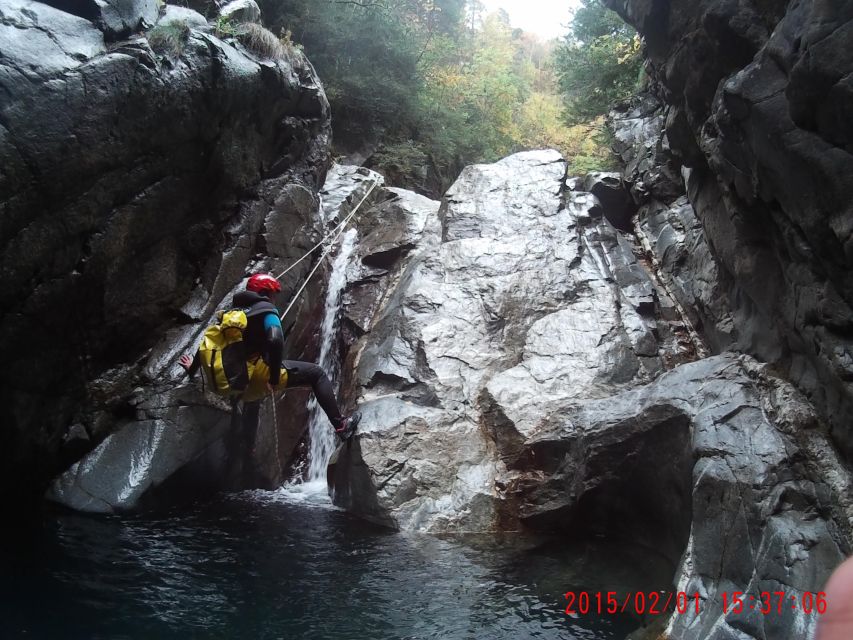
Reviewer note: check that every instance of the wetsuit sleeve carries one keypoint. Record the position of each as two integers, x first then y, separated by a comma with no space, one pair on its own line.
274,346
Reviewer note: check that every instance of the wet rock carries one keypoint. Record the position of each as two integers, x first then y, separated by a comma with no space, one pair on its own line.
518,375
121,17
42,40
615,200
718,465
346,187
135,463
159,447
782,488
393,228
753,92
241,11
651,171
116,18
182,16
513,294
178,160
668,228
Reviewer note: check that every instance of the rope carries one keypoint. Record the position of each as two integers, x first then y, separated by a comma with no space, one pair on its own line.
340,226
310,275
324,238
275,426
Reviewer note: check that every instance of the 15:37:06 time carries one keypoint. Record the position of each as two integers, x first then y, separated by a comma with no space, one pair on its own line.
768,602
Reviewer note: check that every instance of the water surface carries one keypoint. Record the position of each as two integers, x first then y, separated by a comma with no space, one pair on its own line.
287,565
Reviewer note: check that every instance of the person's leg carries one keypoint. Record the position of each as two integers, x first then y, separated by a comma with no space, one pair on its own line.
301,374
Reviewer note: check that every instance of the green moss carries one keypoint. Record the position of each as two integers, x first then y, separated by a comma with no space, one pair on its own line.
224,28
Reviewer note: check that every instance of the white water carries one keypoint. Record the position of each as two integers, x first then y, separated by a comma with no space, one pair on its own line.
309,494
321,436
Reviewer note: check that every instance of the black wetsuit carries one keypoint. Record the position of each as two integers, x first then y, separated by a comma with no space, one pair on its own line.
264,336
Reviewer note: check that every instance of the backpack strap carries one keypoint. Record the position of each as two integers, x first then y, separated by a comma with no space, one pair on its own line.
260,308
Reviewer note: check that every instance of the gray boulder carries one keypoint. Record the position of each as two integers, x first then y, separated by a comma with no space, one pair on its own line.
510,296
119,18
718,465
136,465
115,18
241,11
181,16
517,369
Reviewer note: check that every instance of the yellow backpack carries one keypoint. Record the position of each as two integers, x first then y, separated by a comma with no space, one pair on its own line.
223,356
227,365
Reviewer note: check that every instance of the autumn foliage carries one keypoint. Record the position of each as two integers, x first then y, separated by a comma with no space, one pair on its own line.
429,86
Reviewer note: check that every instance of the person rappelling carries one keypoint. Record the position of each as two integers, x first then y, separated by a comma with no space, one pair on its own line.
242,357
242,353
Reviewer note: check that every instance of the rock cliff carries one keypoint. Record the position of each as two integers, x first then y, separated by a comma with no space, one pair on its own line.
146,165
522,364
181,443
666,364
755,95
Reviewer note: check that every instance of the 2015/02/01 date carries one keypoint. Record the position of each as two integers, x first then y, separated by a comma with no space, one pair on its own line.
639,602
768,602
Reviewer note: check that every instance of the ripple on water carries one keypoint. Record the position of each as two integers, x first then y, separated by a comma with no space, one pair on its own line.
286,563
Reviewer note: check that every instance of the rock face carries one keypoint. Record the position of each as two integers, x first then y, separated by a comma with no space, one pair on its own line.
667,226
132,464
115,18
755,93
764,472
517,369
720,466
138,187
182,443
512,300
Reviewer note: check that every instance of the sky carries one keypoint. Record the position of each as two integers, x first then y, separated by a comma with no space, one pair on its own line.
543,17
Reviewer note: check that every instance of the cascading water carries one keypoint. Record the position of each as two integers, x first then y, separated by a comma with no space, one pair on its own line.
321,437
320,432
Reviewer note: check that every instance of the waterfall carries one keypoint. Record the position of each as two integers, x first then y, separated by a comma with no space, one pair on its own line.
321,436
320,432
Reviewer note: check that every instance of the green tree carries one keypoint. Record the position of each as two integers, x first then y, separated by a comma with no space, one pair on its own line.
435,85
598,64
368,54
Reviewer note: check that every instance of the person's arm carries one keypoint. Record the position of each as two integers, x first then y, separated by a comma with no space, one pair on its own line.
275,346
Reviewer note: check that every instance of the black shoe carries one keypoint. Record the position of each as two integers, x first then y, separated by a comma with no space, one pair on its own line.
348,425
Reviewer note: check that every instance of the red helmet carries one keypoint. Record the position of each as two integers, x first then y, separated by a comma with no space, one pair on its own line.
263,283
